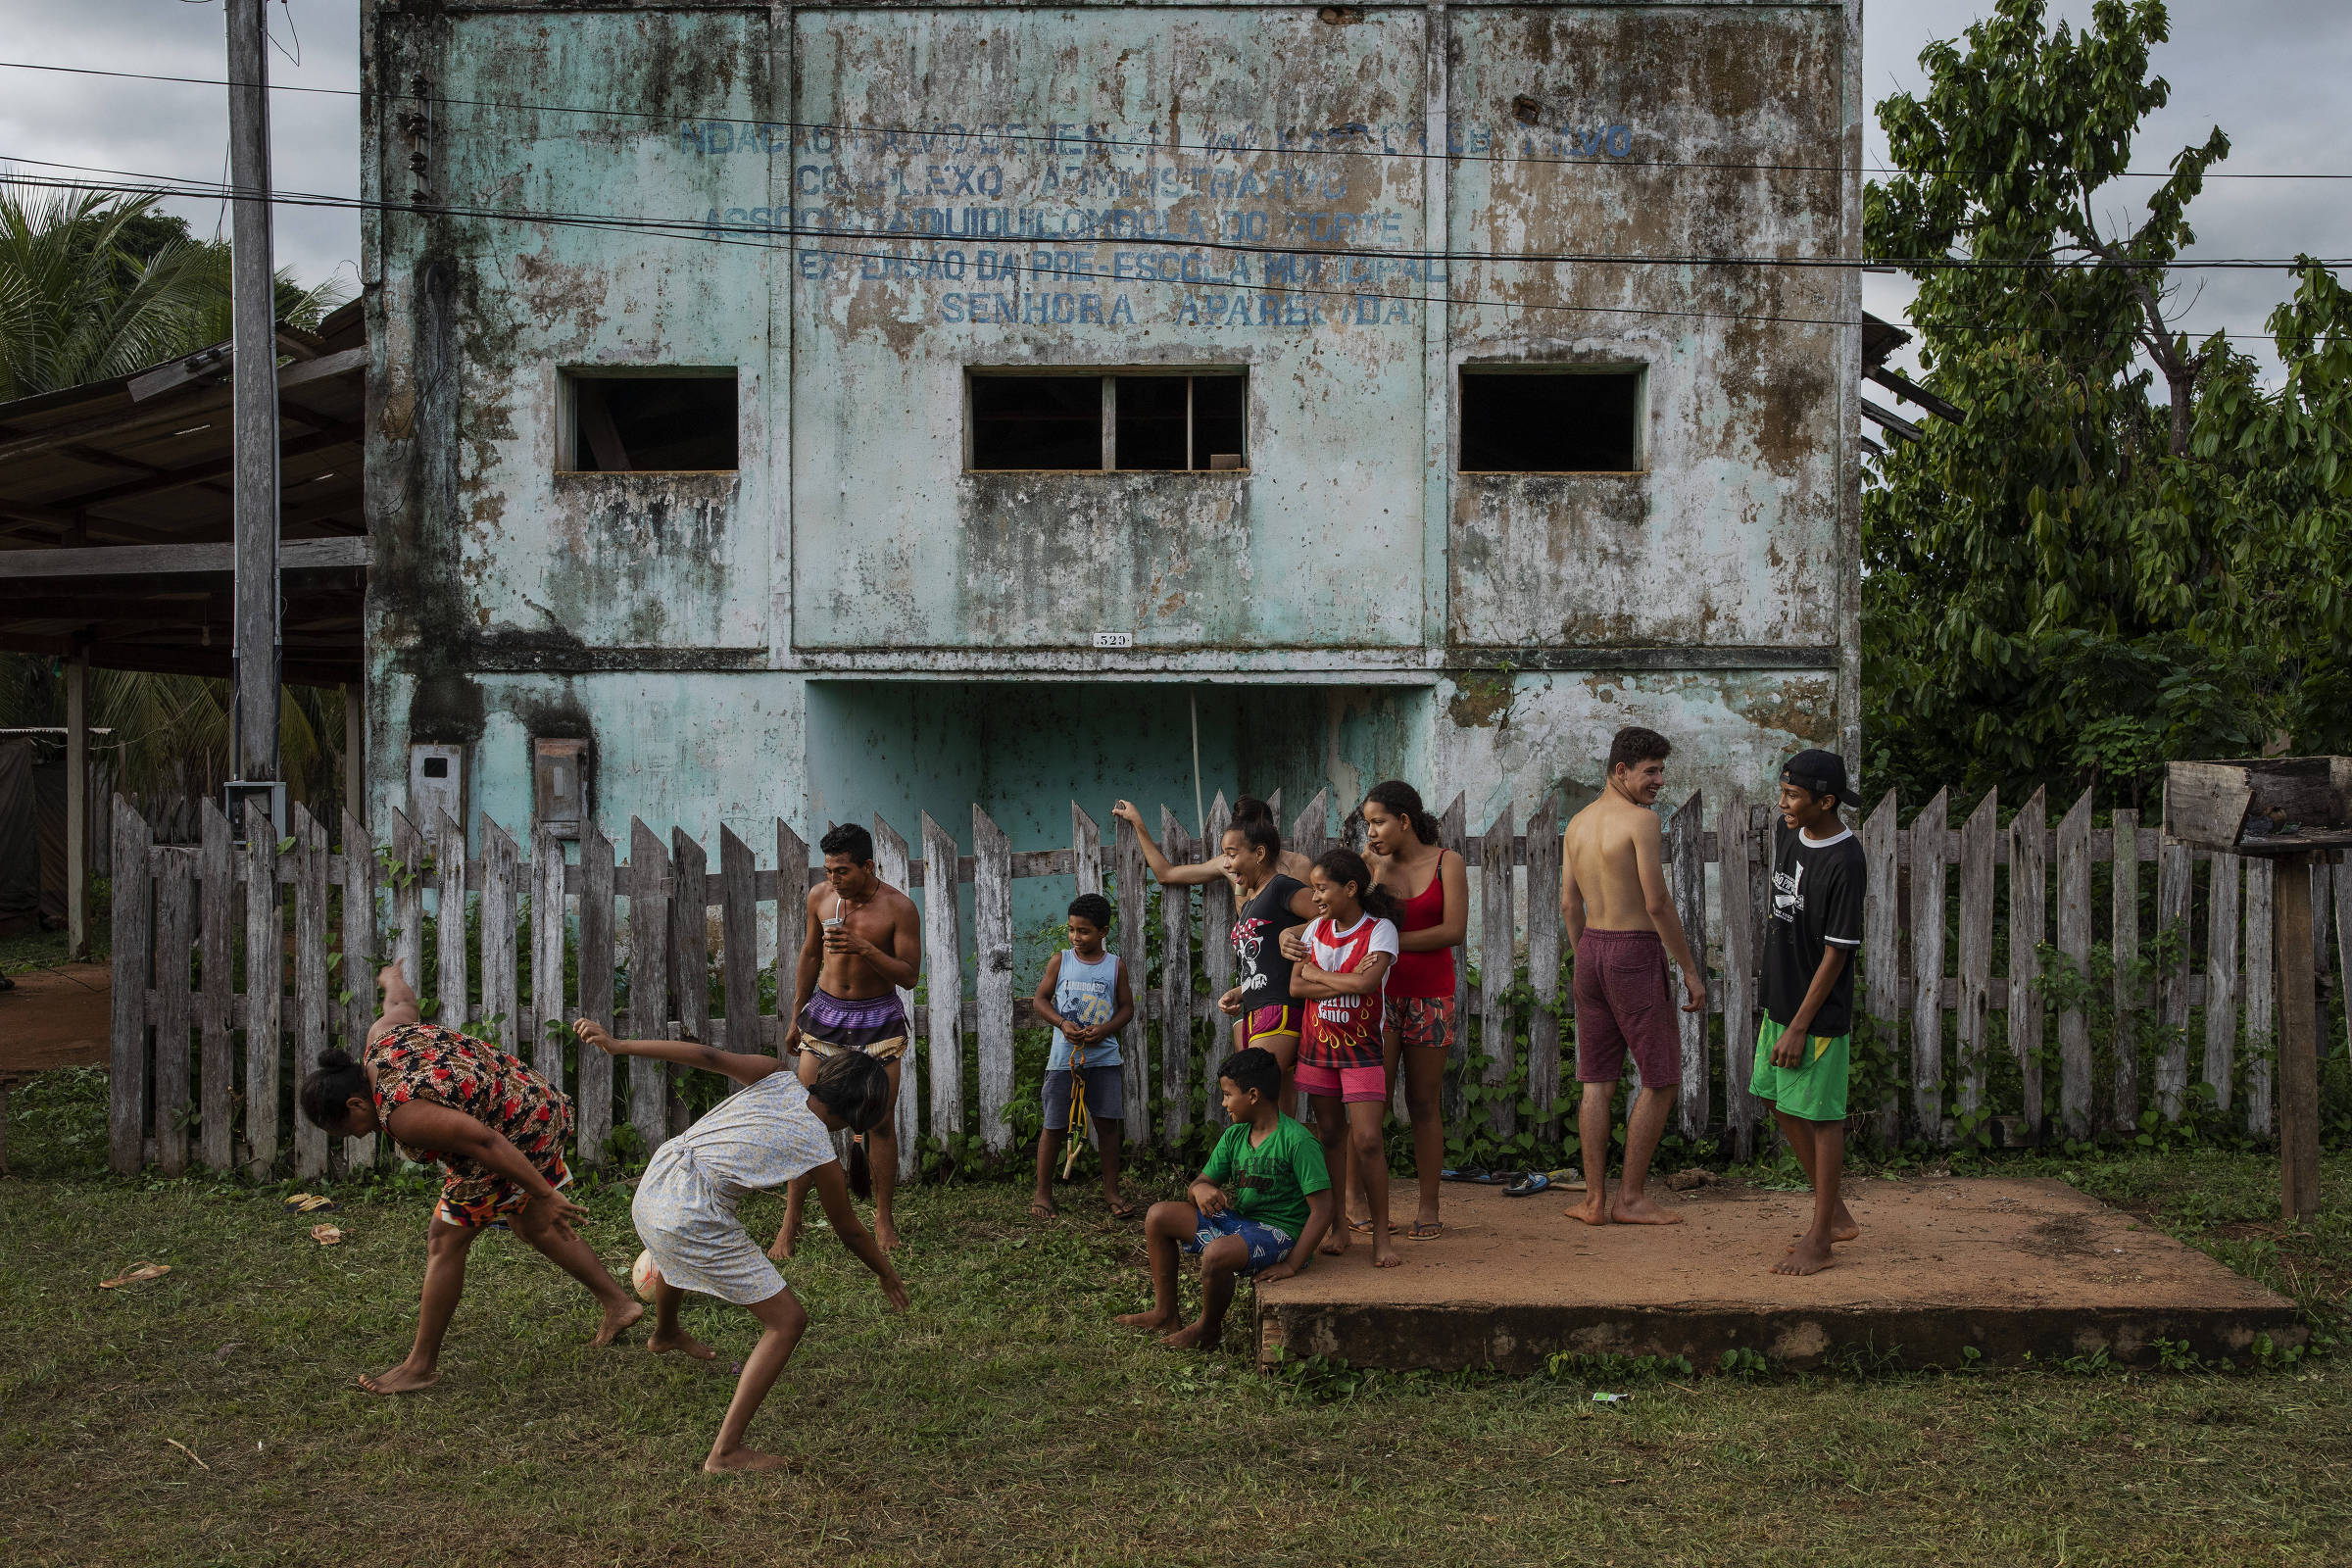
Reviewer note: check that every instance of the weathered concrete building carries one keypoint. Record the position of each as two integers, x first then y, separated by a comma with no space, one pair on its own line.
821,410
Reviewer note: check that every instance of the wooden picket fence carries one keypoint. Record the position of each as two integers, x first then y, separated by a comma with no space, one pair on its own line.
188,1084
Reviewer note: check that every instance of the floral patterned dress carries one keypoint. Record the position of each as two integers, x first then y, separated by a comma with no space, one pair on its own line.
442,1067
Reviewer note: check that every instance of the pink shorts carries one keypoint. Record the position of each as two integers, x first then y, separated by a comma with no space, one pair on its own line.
1347,1085
1622,1004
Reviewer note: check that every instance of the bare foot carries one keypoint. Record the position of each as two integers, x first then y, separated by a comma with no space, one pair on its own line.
782,1251
1639,1210
1842,1224
1336,1243
1384,1253
1151,1322
746,1461
402,1379
1042,1208
1190,1338
618,1318
662,1344
1810,1256
886,1236
1593,1210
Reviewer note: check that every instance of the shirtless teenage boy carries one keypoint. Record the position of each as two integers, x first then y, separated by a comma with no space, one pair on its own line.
864,943
1622,927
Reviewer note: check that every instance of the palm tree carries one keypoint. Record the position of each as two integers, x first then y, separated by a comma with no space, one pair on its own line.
93,286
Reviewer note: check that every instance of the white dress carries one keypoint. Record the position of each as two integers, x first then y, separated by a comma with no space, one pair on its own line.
758,1138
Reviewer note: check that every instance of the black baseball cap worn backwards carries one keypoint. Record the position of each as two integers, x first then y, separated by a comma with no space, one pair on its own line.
1821,773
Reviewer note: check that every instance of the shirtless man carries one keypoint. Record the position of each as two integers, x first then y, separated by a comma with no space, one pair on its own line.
1622,927
864,943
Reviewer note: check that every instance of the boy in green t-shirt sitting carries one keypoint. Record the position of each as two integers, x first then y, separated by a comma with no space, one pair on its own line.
1259,1206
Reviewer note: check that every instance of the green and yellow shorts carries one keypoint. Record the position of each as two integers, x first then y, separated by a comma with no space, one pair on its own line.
1814,1090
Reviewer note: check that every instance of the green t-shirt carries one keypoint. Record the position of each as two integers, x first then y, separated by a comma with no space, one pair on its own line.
1269,1183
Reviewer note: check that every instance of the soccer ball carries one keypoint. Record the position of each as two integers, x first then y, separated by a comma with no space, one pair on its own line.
645,1276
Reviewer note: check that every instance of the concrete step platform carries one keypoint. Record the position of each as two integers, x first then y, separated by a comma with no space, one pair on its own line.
2015,1270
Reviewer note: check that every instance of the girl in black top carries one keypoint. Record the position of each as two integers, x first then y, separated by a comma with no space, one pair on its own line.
1265,1014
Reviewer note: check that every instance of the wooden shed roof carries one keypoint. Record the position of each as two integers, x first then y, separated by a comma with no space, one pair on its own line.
116,512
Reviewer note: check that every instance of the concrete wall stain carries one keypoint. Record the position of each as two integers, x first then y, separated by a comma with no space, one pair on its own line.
1099,187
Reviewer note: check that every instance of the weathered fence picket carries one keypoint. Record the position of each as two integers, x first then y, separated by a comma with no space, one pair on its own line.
182,1018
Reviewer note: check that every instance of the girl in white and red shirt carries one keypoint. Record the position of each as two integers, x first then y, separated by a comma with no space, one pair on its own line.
1349,950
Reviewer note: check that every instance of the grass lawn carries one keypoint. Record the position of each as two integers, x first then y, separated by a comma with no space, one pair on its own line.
1005,1420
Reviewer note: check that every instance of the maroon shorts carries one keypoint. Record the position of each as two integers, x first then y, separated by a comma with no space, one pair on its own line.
1622,1005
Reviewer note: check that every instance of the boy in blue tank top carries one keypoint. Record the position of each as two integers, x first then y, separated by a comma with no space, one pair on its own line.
1084,998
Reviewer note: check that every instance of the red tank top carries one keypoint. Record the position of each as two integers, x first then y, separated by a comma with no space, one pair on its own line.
1429,972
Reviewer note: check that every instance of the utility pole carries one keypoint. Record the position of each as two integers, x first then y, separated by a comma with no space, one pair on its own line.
254,397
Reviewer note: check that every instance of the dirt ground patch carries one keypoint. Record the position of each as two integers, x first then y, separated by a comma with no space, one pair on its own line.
56,1017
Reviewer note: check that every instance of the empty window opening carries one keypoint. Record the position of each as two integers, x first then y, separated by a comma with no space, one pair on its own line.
1164,423
1550,421
1180,422
1037,422
667,422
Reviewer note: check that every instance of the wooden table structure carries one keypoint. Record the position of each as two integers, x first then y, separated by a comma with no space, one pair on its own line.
2298,812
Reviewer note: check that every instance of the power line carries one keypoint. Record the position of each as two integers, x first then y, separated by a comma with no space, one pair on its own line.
1057,139
703,226
703,232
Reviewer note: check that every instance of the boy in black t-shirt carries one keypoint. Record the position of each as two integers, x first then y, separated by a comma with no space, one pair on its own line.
1809,944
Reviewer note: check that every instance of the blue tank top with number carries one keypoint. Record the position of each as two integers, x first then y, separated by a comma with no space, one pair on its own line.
1085,994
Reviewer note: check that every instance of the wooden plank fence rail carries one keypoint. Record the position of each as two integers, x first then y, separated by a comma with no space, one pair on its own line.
238,958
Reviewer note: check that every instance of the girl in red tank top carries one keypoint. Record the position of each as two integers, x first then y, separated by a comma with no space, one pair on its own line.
1432,888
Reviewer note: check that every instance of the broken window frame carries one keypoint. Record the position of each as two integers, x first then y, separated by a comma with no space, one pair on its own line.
1636,370
569,410
1108,379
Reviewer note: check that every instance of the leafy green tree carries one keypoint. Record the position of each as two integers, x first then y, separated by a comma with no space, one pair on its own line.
2081,580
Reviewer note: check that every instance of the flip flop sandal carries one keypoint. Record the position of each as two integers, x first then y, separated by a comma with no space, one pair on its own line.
1468,1173
1527,1186
1425,1230
1361,1227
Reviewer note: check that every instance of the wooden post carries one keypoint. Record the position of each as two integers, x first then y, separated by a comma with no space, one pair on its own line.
2220,981
355,772
890,863
309,858
1134,878
127,1056
1086,849
450,989
594,1102
2130,991
174,911
546,1045
1544,938
992,942
1686,882
1175,989
1733,849
2261,990
2175,872
360,946
264,988
1973,1021
2298,1042
78,806
1311,833
216,946
943,980
1882,837
649,980
2074,941
2028,929
254,488
689,961
1452,834
502,988
1496,965
1928,835
408,900
739,944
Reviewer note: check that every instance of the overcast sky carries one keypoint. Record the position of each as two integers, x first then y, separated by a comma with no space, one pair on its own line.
2265,70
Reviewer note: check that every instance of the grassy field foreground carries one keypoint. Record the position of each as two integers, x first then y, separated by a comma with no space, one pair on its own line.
1005,1420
